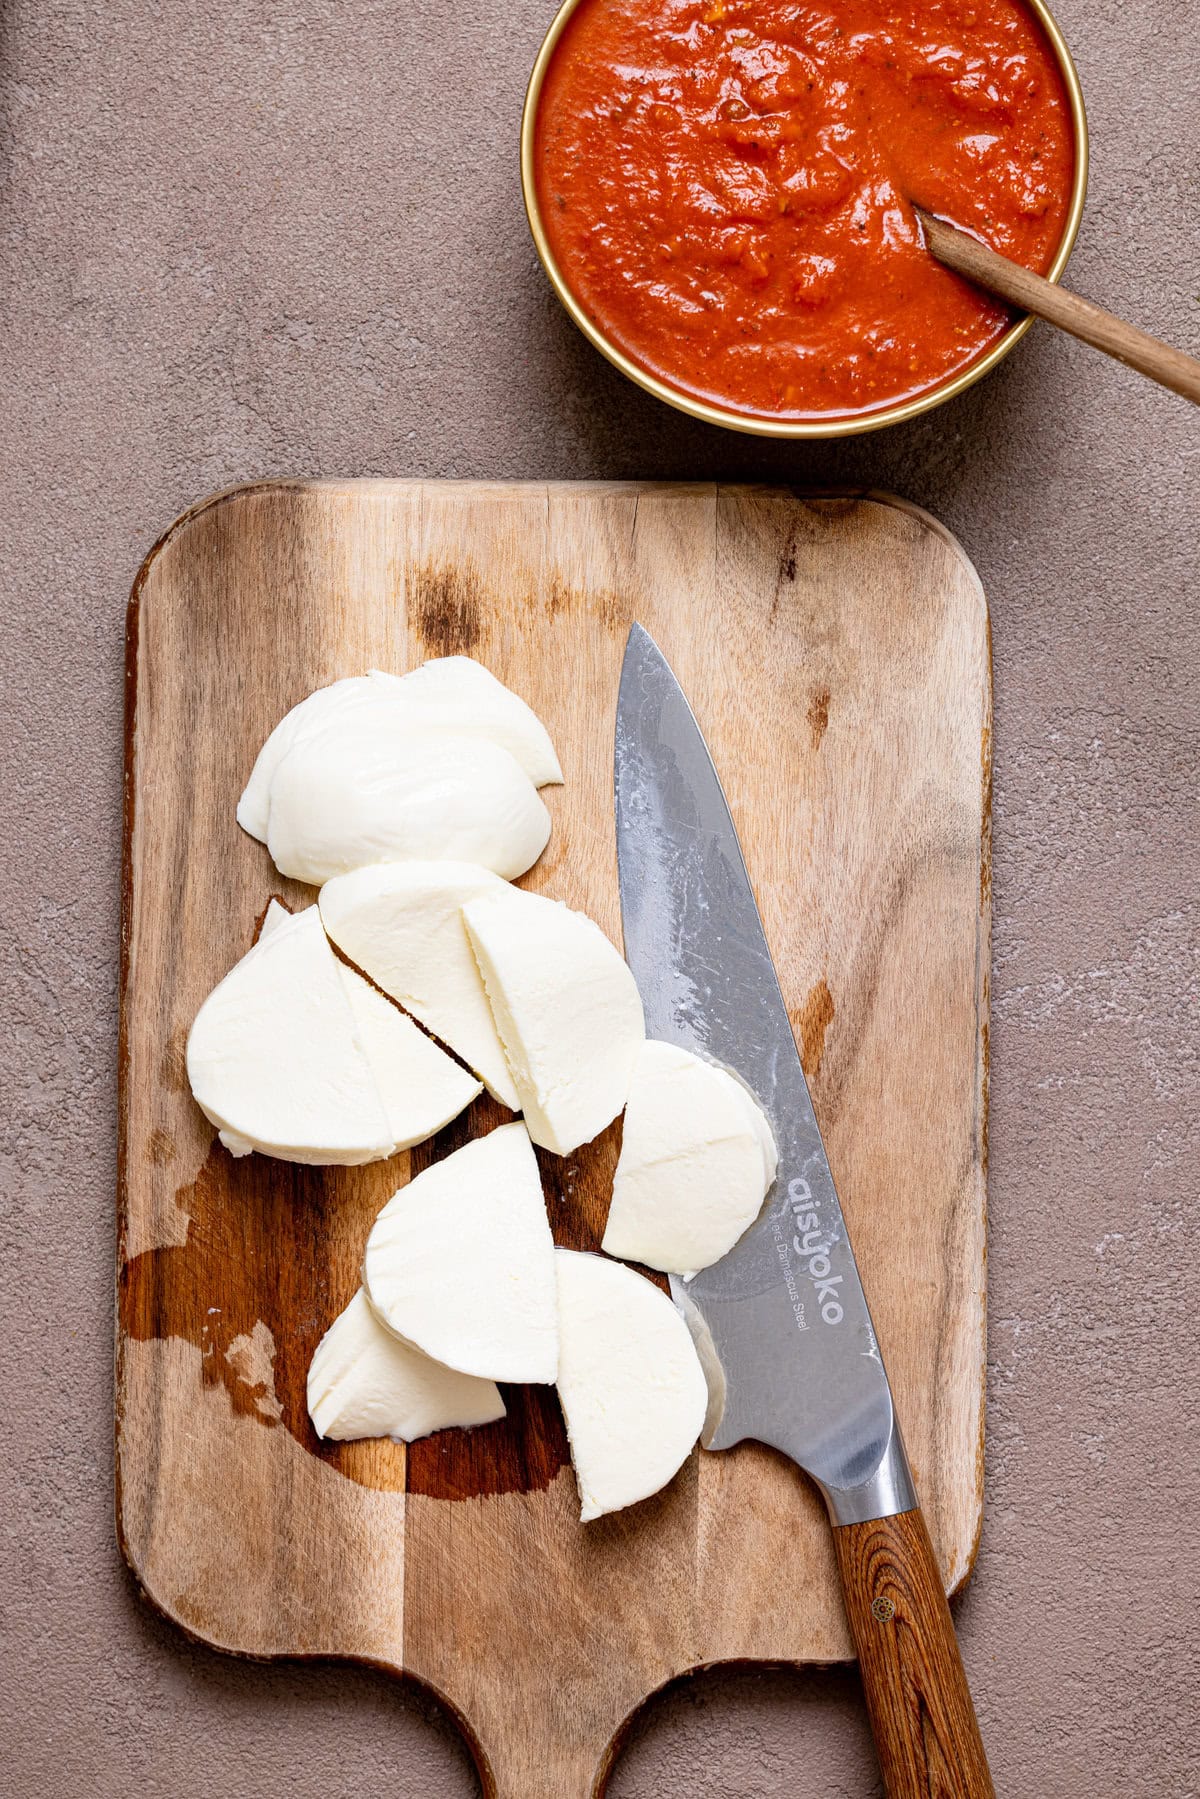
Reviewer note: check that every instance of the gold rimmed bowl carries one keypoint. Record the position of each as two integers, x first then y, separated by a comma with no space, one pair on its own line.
834,424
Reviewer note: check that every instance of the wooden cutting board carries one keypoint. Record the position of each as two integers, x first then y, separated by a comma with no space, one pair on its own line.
837,655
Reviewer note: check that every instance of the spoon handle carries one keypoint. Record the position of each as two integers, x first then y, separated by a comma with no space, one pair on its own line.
1033,293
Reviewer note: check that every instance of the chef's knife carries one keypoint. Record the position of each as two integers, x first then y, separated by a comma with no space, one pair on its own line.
781,1322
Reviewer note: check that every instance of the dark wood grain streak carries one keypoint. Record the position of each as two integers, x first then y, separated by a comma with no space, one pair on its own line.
922,1716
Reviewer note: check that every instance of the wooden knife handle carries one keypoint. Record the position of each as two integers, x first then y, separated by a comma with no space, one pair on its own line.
922,1717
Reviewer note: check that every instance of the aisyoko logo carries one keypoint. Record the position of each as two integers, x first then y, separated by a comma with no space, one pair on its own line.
813,1246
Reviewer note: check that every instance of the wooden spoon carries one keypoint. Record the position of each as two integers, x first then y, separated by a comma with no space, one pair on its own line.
1033,293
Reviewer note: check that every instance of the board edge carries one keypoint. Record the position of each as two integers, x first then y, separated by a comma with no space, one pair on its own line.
929,522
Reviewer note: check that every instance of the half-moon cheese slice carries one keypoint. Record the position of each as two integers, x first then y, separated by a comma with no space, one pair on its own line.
632,1389
297,1056
274,1057
401,923
362,791
364,1382
697,1157
460,1263
451,693
566,1008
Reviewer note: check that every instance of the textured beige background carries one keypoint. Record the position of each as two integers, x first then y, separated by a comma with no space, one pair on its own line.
285,237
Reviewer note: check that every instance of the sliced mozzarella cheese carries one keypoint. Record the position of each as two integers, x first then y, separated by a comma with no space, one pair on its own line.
460,1263
632,1389
697,1157
401,923
451,693
274,916
567,1010
272,1016
361,790
310,714
422,1088
274,1058
364,1382
456,693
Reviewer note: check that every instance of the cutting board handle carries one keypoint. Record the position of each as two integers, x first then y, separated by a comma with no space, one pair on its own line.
924,1724
539,1762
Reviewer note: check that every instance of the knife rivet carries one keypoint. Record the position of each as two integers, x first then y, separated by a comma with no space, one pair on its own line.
883,1610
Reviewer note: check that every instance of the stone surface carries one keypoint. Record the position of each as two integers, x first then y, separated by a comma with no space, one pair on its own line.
283,239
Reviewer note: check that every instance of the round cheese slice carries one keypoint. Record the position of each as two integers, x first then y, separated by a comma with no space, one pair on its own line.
362,790
364,1382
460,1263
401,923
632,1390
451,693
566,1008
697,1157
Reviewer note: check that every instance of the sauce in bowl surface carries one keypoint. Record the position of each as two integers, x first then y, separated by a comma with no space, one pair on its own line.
725,185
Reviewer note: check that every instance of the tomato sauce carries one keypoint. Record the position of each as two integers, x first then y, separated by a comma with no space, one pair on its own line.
725,187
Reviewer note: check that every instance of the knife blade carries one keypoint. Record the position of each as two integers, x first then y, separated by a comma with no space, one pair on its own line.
781,1322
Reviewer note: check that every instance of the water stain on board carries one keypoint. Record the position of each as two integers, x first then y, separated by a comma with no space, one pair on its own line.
172,1068
611,610
815,1020
556,596
446,607
272,1255
818,715
786,575
161,1148
256,1255
559,596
